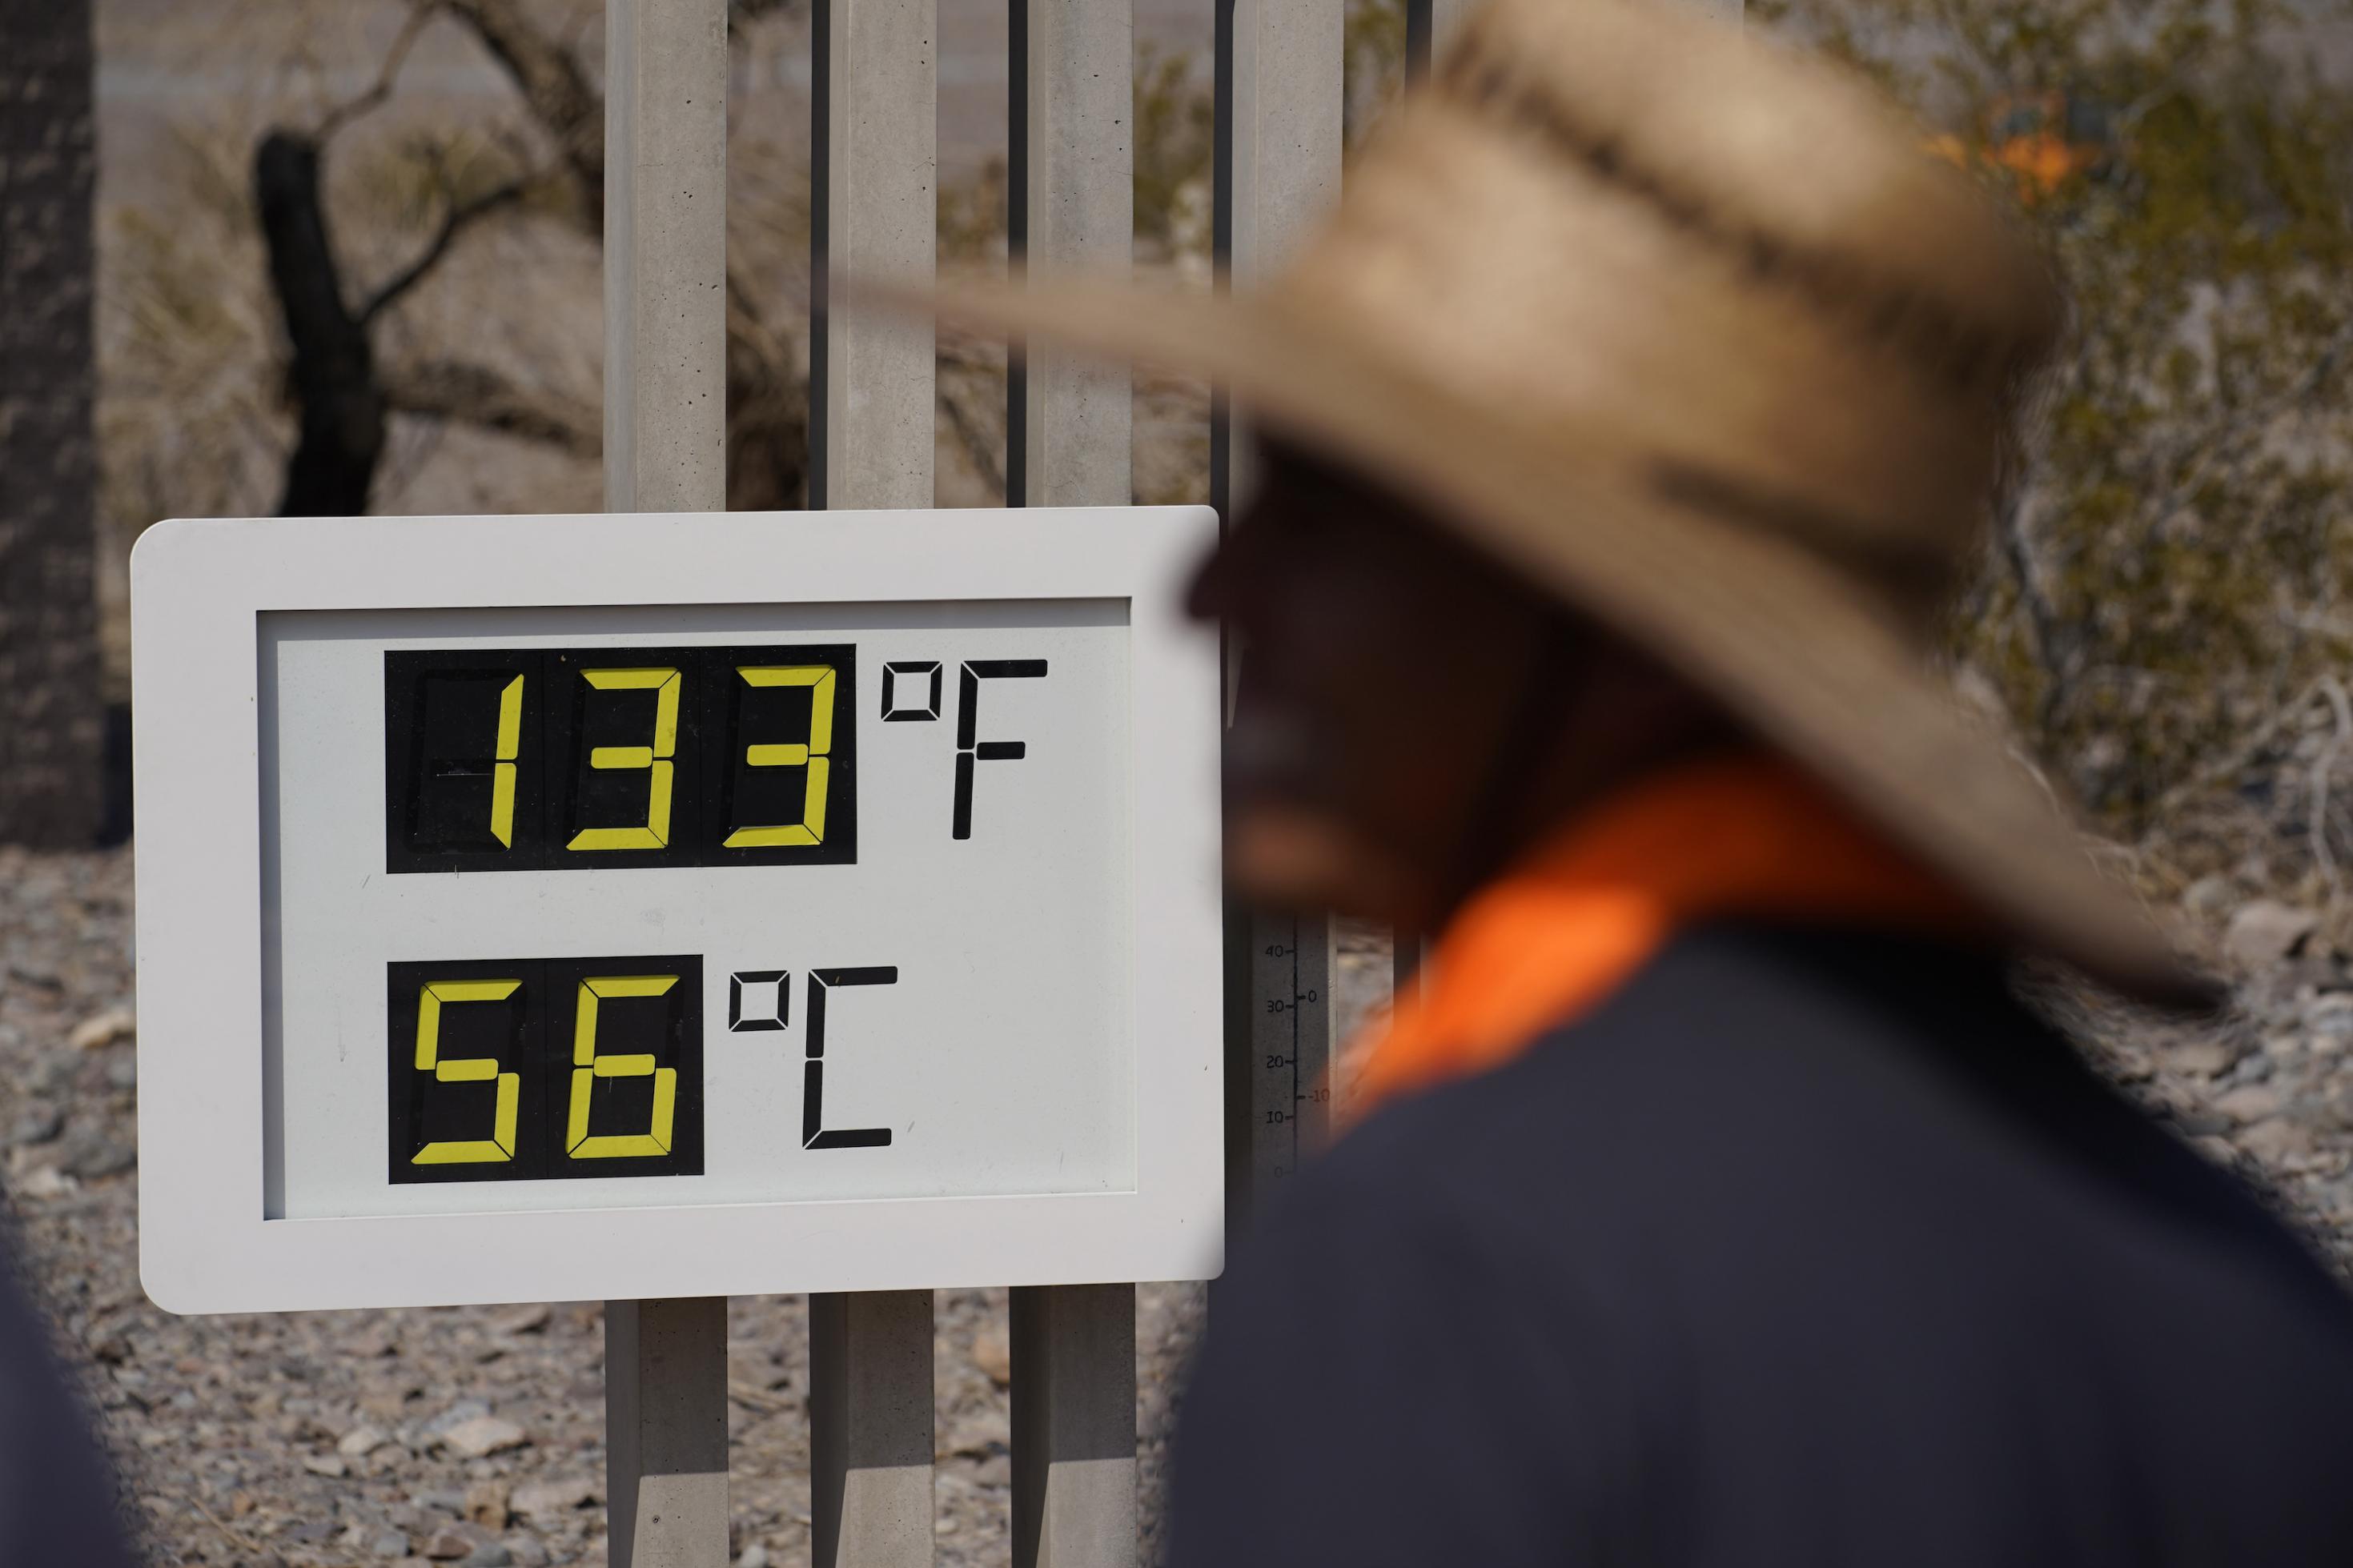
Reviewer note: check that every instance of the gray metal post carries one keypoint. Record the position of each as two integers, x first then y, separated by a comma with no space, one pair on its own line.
1407,951
1278,103
665,254
1428,23
873,214
1279,92
1071,209
871,1429
1074,1427
666,1433
665,451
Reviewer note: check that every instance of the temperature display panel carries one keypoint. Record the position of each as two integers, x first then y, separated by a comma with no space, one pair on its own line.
571,759
861,929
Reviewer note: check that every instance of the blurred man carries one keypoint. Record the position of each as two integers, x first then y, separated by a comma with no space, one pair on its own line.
56,1496
1715,1204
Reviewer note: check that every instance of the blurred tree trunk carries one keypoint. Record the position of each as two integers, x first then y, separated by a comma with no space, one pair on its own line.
52,725
333,369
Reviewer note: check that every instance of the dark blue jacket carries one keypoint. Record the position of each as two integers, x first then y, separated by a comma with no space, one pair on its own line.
1805,1250
57,1503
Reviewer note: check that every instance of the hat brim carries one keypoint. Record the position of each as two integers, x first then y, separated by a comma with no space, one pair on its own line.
1786,641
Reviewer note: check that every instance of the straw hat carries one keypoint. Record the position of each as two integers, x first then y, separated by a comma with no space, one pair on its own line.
1690,330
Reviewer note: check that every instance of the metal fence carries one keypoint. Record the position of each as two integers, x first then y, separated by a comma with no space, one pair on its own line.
1279,68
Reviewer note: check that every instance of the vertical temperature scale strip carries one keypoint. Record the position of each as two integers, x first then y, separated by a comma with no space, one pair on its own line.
1292,971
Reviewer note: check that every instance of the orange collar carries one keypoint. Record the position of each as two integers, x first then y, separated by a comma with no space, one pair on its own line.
1745,834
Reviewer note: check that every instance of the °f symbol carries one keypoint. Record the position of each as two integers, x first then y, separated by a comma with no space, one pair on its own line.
970,749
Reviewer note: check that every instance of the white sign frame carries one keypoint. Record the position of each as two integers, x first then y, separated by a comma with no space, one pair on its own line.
198,589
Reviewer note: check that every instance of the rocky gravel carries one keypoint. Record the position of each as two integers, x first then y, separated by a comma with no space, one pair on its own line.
475,1435
2268,1089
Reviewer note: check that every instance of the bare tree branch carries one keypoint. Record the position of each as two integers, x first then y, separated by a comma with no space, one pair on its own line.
970,390
554,88
454,221
768,407
2228,762
2322,766
2200,454
2014,522
380,91
486,399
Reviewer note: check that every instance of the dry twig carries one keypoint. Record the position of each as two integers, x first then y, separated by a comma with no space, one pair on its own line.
459,216
234,1537
477,396
380,91
2322,767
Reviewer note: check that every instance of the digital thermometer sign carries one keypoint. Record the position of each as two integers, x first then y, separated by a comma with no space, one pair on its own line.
815,901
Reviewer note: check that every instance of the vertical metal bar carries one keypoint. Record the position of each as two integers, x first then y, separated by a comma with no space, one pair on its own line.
1278,130
665,451
1428,23
666,1433
1407,951
871,1429
873,214
1071,209
665,254
1278,127
1074,1427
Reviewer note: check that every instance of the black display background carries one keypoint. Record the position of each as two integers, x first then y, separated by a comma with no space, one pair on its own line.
440,738
441,716
531,1034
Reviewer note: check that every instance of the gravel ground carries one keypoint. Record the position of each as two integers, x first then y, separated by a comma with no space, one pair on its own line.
475,1435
